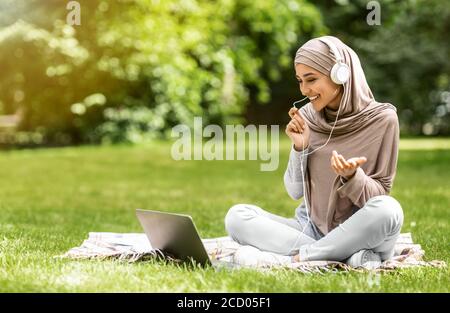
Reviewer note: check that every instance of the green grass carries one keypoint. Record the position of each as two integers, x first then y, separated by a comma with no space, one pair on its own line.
51,198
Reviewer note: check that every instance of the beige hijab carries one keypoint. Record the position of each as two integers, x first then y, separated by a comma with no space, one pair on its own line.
365,127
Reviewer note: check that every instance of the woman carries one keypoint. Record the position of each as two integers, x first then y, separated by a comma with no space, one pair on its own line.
342,162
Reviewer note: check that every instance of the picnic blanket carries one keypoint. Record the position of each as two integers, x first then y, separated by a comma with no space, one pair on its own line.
134,247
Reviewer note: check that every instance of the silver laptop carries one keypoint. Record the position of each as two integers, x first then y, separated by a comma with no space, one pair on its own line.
174,234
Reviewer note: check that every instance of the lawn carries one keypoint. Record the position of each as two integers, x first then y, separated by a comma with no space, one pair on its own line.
51,198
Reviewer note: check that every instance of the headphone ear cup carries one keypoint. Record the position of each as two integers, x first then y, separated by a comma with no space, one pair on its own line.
340,73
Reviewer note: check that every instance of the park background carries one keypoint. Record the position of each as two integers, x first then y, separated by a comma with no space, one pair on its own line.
86,113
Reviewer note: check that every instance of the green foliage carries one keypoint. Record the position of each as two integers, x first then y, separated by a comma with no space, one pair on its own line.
190,58
34,63
157,63
413,68
406,58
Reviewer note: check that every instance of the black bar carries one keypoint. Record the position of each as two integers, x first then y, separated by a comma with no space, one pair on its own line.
222,302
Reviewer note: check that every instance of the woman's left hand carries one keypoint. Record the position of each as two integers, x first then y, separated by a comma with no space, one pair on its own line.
345,168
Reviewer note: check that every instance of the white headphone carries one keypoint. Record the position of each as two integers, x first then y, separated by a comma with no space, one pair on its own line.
340,72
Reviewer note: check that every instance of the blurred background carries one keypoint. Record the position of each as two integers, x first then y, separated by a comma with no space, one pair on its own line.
133,69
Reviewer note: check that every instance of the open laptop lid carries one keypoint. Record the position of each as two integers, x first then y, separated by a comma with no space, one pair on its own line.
174,234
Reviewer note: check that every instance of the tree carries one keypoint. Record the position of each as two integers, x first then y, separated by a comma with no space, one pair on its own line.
406,58
144,66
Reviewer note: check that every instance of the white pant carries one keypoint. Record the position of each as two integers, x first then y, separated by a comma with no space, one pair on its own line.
375,226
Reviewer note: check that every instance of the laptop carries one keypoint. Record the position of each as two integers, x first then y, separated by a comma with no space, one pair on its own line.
175,235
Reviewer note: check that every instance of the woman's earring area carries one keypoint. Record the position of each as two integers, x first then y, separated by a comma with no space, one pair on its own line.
338,89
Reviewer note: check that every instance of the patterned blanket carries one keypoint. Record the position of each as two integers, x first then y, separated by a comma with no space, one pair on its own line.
134,247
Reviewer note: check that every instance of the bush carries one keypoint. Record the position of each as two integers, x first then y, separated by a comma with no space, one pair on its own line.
156,63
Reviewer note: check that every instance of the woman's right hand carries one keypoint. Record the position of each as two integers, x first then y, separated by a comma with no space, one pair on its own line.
296,128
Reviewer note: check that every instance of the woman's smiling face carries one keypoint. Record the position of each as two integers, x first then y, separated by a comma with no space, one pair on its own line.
319,88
